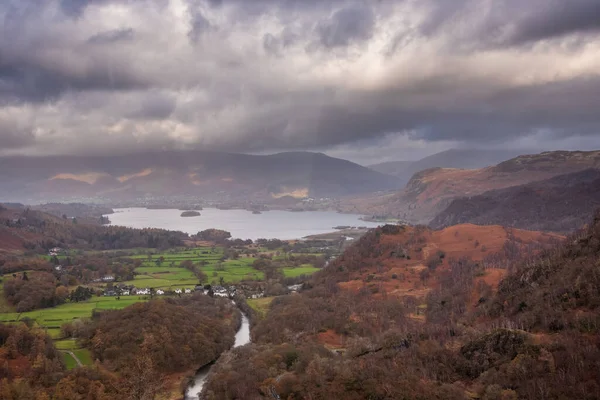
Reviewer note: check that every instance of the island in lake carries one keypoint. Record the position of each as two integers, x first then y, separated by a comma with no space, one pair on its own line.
190,214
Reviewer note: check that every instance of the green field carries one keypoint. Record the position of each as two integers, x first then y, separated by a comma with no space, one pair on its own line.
160,270
66,344
70,362
261,306
305,269
82,354
53,318
167,273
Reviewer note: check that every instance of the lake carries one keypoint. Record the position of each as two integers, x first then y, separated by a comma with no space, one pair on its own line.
242,224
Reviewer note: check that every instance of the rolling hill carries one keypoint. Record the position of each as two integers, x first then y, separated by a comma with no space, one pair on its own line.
429,192
453,158
187,173
560,204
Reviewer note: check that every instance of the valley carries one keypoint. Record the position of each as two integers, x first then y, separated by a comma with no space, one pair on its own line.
331,305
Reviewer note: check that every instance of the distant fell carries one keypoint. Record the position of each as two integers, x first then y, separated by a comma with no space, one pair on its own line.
453,158
216,176
431,191
560,204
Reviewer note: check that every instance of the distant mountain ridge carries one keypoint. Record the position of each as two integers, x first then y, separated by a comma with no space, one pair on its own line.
187,173
453,158
430,191
560,204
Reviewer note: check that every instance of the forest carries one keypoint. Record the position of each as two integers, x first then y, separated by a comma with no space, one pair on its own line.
534,337
136,349
45,231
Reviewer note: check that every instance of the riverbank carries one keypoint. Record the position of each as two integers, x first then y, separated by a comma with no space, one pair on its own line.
195,384
178,385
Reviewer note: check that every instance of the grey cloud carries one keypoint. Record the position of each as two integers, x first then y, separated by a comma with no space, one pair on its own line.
478,24
347,25
198,25
253,86
112,36
562,18
155,107
24,80
13,136
76,8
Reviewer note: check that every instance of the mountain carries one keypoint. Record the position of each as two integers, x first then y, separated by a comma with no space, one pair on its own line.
453,158
188,173
560,204
430,191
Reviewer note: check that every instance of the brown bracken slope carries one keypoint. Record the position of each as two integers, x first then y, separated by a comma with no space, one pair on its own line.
409,262
431,191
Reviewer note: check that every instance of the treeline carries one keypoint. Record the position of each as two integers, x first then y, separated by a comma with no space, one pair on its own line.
557,291
89,268
47,284
34,290
59,232
175,334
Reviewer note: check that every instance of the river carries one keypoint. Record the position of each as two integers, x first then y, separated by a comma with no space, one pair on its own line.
242,224
242,337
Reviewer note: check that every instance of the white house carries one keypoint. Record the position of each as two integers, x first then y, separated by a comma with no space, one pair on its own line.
187,291
125,293
55,251
295,288
160,292
178,291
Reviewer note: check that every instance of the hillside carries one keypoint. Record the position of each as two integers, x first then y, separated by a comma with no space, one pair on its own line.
210,175
429,192
560,204
453,158
32,230
519,322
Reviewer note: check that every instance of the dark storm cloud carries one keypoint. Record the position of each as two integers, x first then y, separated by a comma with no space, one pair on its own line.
477,24
111,36
241,75
347,25
23,80
560,18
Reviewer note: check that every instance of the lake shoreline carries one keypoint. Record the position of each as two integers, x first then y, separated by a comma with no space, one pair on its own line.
242,224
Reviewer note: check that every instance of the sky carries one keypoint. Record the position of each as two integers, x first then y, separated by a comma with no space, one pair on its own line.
369,81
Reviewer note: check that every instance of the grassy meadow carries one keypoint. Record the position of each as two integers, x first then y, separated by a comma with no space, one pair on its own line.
163,271
261,306
160,270
52,318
